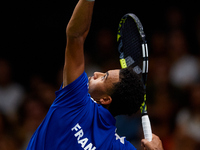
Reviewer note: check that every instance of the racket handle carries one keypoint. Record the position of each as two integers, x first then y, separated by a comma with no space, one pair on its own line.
146,128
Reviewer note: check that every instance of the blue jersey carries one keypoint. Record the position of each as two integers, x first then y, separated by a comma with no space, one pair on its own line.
76,122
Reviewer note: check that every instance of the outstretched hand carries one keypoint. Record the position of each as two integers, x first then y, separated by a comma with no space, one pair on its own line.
155,144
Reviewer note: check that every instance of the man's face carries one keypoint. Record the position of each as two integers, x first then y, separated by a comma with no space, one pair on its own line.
101,82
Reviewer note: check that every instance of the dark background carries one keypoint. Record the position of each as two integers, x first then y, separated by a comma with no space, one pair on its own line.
33,32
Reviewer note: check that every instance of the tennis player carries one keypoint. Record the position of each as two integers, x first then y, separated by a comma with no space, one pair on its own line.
82,115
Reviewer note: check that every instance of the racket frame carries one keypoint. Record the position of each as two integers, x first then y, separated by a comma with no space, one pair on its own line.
145,118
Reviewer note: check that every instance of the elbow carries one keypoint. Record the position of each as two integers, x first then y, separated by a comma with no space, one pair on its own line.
71,33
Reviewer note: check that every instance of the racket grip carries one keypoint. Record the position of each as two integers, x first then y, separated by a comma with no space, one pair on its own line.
146,128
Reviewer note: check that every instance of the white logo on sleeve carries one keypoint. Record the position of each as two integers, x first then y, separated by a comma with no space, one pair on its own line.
119,138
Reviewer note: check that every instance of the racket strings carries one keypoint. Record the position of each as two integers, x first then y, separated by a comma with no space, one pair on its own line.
132,43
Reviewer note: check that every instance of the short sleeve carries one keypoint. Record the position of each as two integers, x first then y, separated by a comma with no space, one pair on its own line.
73,94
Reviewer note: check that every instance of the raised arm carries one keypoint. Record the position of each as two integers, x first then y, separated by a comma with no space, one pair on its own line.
76,32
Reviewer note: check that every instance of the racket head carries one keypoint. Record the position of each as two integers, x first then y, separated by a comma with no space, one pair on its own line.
133,49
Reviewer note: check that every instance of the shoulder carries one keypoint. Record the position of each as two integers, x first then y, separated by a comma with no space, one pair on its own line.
81,81
77,90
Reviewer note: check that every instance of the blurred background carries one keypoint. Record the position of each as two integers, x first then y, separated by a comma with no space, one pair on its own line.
32,56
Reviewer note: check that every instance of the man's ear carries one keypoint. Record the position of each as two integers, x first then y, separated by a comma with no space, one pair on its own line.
106,100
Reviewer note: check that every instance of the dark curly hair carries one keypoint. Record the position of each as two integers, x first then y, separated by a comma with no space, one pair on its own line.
127,94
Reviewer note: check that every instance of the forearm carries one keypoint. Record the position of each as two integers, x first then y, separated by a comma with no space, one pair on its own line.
80,21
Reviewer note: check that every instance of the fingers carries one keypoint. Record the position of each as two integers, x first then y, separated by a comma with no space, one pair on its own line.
145,143
154,144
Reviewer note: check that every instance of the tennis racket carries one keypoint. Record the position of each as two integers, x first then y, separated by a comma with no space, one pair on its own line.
133,50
